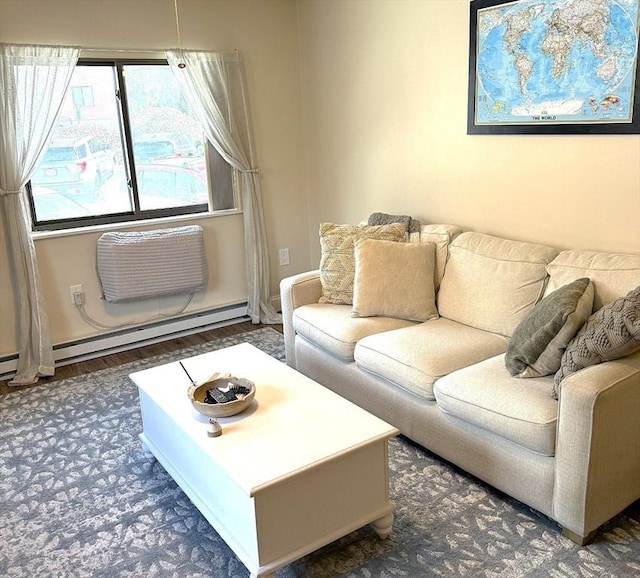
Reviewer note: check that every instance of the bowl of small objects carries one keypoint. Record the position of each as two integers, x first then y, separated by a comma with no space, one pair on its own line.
222,395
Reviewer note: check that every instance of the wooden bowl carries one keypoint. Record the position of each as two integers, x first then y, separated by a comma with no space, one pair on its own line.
197,394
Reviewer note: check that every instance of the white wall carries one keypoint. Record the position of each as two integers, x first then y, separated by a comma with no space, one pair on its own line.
385,109
265,31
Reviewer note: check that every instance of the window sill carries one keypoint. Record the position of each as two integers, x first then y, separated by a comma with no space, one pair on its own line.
163,221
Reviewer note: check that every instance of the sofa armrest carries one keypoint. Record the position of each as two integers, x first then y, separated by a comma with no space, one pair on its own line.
295,291
598,445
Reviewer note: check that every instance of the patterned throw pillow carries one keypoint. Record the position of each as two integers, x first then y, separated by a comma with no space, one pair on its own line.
337,264
610,333
537,344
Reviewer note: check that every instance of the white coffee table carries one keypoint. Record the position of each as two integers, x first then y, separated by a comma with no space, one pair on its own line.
297,470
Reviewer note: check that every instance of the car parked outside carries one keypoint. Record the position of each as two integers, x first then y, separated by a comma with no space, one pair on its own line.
75,165
167,149
50,205
164,186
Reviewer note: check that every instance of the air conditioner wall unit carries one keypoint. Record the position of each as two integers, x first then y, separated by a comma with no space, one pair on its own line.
146,264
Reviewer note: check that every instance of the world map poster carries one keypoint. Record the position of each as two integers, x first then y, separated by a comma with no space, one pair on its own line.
554,66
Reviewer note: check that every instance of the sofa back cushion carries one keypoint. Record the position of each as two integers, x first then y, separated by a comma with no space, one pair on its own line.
613,274
491,283
441,236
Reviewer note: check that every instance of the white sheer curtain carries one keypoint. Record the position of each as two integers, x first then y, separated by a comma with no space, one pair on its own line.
33,80
214,85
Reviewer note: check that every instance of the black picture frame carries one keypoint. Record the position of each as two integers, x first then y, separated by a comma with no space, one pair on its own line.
544,126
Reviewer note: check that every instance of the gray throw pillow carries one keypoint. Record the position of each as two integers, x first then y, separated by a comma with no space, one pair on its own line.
386,219
413,225
538,342
610,333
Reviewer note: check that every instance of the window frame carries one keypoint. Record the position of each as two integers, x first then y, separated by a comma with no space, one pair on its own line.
136,214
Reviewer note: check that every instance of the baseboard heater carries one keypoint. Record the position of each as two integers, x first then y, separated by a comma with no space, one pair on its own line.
146,264
123,340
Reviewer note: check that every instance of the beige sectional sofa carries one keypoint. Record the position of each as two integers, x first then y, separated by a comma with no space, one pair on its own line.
444,381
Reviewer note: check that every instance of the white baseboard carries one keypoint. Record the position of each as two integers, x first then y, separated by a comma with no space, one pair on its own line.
123,340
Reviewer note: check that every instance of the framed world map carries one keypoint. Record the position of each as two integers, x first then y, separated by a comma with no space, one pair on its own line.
553,67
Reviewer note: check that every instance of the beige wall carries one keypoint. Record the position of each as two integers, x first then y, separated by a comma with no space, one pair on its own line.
385,108
265,31
382,103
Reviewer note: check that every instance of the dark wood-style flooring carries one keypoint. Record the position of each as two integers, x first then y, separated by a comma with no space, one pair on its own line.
173,345
143,352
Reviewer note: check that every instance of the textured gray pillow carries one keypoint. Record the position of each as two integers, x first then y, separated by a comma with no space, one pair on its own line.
413,225
538,342
610,333
386,219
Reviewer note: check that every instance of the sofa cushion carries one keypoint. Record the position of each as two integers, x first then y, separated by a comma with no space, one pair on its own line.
337,263
610,333
538,343
333,329
414,357
441,236
394,280
613,274
492,283
487,396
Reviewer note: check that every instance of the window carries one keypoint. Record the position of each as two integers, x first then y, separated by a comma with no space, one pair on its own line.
126,147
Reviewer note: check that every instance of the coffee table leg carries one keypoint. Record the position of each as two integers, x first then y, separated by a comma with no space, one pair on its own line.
146,451
382,526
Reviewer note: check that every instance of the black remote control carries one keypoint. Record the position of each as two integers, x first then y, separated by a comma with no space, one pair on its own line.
217,396
241,389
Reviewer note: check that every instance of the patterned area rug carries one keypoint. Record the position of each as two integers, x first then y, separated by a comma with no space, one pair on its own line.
80,499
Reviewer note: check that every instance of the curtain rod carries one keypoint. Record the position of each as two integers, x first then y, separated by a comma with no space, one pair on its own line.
145,50
139,50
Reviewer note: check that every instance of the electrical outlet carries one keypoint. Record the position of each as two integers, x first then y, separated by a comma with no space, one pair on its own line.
284,256
73,289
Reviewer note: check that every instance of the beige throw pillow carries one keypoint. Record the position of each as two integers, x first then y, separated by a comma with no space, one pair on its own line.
337,264
394,280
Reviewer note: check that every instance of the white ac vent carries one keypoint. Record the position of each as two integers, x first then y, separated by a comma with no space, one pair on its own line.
141,265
